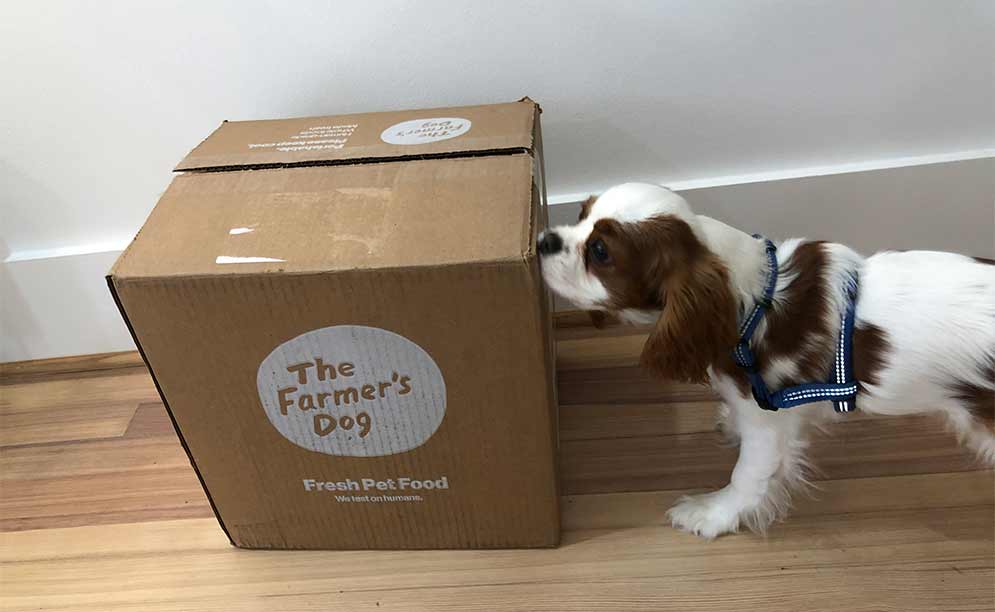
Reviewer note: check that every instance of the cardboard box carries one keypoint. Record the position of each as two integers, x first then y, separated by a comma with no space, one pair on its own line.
346,321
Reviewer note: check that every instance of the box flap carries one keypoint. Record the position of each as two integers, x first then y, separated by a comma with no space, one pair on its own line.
345,139
330,218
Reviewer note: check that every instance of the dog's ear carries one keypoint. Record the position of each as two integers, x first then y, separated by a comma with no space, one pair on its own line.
585,208
697,326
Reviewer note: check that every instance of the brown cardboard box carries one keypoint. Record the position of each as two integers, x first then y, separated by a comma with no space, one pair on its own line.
346,321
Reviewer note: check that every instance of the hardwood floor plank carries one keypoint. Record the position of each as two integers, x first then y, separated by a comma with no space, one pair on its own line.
921,558
603,351
897,587
64,409
644,464
588,332
636,420
855,449
76,392
98,482
894,587
72,364
624,385
855,495
66,423
150,420
568,319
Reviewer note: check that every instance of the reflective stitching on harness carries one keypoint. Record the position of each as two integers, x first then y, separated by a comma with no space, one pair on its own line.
820,389
749,321
822,392
839,353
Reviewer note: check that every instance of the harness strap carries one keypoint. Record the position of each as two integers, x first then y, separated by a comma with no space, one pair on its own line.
743,355
841,390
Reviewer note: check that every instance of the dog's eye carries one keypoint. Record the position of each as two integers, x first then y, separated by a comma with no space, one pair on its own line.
599,252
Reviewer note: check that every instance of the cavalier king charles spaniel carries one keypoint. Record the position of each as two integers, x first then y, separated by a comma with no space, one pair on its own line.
923,337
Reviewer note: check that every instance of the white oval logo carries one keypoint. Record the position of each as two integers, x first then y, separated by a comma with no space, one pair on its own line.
352,391
421,131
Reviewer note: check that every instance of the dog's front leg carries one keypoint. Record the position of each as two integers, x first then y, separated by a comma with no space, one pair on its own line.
770,463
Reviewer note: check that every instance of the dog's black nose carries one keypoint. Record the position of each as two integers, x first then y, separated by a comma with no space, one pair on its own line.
550,243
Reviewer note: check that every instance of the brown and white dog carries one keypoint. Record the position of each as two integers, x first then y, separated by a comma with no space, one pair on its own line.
924,337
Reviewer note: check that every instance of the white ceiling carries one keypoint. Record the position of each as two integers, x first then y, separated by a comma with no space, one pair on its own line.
99,100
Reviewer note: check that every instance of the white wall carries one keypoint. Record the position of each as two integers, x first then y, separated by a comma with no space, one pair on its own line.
941,207
100,99
60,306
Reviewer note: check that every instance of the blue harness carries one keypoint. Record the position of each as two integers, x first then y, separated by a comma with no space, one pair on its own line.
841,390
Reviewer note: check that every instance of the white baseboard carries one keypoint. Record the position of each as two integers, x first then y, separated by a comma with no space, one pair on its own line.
56,303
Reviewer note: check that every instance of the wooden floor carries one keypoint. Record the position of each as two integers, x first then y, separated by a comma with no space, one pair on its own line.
100,511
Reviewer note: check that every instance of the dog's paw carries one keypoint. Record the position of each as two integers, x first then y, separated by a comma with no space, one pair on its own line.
709,515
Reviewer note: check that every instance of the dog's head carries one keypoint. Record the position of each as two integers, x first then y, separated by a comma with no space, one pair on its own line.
638,252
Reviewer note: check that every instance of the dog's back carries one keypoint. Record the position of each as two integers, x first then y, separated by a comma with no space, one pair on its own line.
937,314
